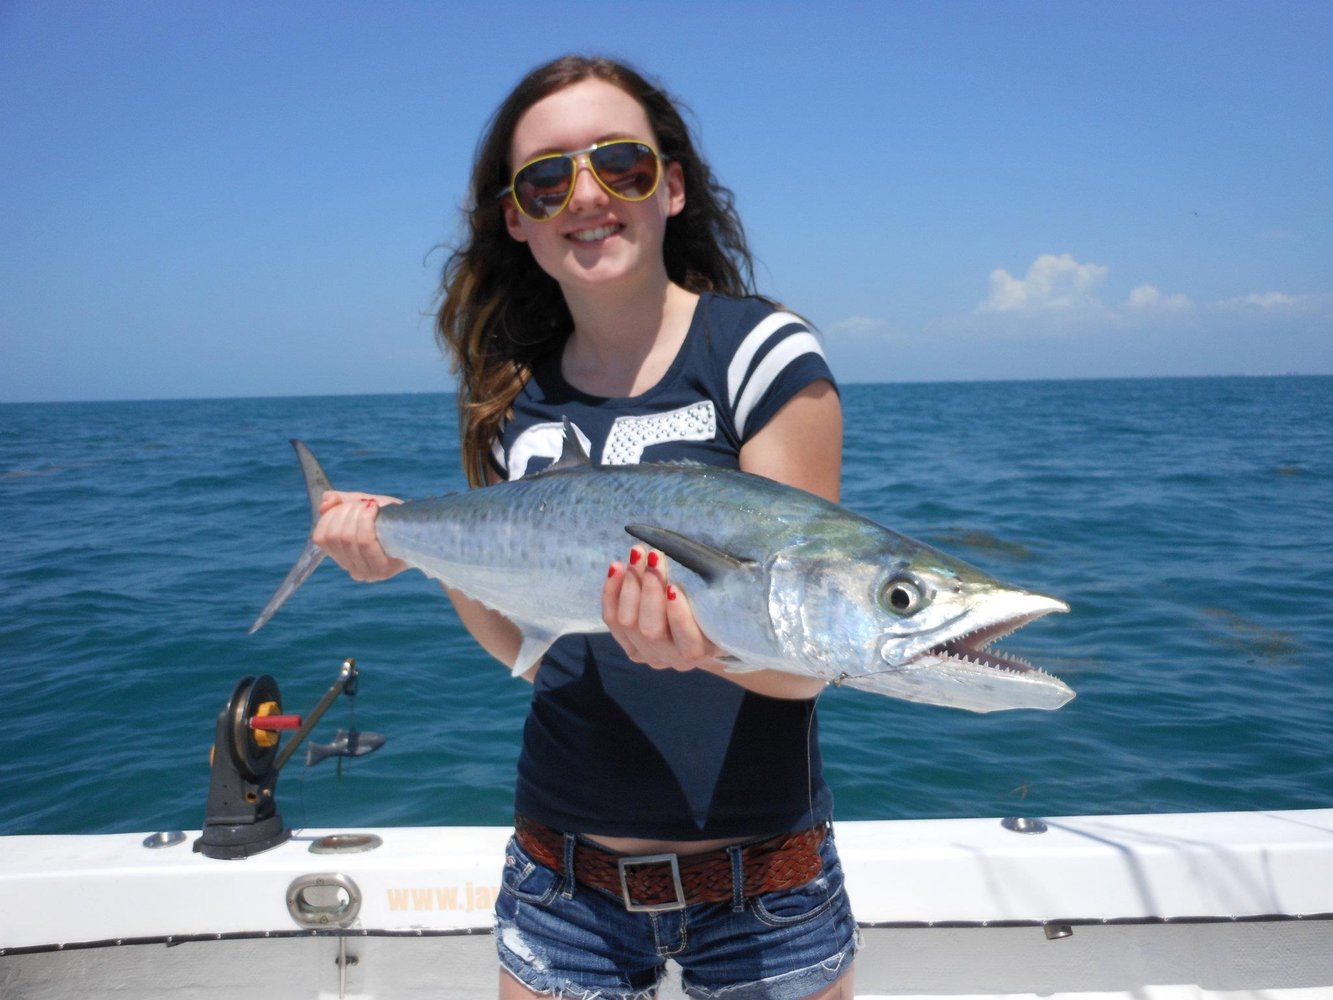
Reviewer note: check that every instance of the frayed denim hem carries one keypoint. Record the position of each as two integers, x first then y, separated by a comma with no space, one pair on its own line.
790,985
518,960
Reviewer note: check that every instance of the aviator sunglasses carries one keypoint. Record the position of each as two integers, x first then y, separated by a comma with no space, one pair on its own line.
626,168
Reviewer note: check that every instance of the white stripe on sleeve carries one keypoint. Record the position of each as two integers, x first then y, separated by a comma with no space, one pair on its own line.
769,369
754,340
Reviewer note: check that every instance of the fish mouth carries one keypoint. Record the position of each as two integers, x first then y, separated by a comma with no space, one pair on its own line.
974,647
968,638
963,671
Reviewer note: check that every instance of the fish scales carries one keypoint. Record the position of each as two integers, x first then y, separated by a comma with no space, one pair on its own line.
555,534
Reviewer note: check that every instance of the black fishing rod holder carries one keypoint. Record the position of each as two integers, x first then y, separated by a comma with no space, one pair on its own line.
241,816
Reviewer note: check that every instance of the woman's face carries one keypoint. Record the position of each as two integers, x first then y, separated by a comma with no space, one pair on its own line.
598,240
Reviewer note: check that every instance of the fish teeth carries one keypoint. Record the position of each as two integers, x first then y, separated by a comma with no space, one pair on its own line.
959,651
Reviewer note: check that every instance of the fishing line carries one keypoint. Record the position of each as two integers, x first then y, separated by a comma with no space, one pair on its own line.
810,777
810,800
351,726
810,753
300,793
305,770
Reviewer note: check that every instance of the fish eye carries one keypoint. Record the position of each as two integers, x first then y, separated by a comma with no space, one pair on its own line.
903,596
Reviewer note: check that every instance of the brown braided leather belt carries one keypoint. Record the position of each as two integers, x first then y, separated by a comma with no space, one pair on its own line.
655,882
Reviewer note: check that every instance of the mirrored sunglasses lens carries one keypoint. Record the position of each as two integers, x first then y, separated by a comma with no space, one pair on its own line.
541,188
629,169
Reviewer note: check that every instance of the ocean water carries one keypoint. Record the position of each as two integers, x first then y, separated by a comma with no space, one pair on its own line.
1189,524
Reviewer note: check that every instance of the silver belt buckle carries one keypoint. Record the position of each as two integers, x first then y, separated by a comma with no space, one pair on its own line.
652,859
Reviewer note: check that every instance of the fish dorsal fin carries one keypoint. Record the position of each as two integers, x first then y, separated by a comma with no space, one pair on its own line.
705,560
572,452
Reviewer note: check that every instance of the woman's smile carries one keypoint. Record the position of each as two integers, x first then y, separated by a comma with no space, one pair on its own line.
595,233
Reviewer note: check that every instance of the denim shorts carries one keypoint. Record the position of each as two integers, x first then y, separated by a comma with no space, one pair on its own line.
567,940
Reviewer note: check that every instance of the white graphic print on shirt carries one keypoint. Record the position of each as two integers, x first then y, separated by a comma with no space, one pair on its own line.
625,443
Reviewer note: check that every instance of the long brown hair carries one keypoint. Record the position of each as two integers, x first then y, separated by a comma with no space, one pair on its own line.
500,312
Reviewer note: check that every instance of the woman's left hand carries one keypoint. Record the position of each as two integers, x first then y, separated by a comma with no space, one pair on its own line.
650,617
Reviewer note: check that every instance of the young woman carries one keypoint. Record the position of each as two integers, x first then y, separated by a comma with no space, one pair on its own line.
665,807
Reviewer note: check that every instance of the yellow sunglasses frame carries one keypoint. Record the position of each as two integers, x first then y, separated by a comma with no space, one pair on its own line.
582,161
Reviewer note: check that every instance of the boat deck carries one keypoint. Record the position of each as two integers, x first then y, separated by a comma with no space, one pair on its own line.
1213,906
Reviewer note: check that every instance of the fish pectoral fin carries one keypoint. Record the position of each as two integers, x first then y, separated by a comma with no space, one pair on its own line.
530,652
706,561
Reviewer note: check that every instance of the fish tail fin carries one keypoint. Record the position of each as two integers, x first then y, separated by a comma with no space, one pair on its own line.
316,484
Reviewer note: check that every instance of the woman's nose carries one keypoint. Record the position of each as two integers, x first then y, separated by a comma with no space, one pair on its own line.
587,192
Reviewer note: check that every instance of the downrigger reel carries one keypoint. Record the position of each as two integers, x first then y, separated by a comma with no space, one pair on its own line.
241,816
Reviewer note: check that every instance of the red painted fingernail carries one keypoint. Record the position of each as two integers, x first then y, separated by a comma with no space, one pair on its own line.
634,557
611,571
652,560
671,593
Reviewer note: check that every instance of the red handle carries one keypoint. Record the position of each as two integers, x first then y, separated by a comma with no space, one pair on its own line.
272,723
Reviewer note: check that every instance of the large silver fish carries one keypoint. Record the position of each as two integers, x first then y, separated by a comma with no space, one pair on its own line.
777,577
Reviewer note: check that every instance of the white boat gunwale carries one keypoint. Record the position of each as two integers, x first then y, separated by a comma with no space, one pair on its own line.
1240,903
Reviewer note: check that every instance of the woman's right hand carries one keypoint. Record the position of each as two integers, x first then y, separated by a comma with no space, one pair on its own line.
346,531
651,618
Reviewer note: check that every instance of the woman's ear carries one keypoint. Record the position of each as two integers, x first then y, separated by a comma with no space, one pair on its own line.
675,187
513,220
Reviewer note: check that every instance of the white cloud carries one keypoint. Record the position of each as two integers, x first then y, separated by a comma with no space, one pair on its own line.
1265,301
1148,297
1060,292
859,326
1051,283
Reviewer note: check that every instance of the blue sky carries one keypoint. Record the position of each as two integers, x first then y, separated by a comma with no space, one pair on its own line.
222,199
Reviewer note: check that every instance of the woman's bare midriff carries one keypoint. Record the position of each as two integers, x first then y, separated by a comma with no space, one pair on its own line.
638,846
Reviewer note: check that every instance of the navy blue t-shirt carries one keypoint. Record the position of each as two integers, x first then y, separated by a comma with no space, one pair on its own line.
614,747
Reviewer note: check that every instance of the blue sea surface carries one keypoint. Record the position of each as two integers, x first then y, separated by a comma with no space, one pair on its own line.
1188,522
